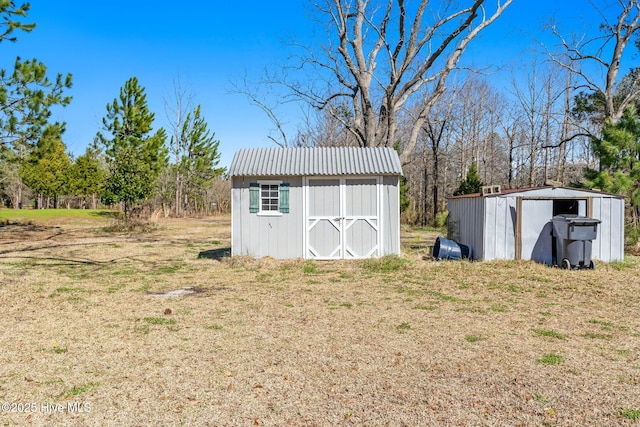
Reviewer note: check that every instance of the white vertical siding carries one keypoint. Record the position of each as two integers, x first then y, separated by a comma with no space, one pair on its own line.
466,223
390,215
499,228
259,236
609,246
536,230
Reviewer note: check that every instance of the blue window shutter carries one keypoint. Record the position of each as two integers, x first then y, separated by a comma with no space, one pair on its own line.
284,197
254,197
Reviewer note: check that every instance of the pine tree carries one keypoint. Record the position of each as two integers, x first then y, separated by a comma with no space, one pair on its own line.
26,98
9,12
135,156
472,183
47,168
198,158
88,176
618,152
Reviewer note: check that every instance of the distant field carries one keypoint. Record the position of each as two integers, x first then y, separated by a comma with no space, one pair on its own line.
56,215
390,342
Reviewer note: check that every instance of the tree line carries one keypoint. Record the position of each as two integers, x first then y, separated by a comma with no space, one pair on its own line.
127,163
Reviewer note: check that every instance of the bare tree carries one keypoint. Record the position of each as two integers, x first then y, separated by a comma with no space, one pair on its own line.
257,95
541,100
379,55
176,110
219,195
474,125
605,52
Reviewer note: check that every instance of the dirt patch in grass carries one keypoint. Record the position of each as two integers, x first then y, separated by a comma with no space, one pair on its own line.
294,342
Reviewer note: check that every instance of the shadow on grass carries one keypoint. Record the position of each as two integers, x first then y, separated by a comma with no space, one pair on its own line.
23,226
27,226
108,214
216,254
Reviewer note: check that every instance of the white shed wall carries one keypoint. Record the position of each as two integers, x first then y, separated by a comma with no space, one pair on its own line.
391,215
501,217
265,235
611,212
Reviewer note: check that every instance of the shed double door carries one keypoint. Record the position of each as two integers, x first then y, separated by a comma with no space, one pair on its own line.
343,218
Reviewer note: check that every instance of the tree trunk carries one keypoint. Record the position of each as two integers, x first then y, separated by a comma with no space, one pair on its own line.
425,190
17,196
436,174
178,194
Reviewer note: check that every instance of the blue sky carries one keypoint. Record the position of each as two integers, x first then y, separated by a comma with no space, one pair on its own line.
206,44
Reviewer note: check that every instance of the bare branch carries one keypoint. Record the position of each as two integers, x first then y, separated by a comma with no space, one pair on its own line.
256,100
607,54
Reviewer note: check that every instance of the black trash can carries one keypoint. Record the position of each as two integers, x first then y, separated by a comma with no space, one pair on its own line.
573,236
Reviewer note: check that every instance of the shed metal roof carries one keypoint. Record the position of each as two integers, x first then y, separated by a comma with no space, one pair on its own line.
516,191
309,161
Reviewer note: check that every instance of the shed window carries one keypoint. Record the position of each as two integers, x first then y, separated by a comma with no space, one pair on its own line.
269,197
566,206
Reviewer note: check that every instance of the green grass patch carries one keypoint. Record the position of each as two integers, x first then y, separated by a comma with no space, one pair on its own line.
55,349
627,264
54,215
550,359
630,414
425,307
514,288
548,333
310,267
386,264
474,338
602,323
167,269
65,290
408,291
595,336
403,327
264,277
443,297
142,329
541,398
75,391
214,327
498,308
124,272
116,288
334,305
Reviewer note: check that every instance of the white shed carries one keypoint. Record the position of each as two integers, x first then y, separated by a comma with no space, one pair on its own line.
516,224
315,203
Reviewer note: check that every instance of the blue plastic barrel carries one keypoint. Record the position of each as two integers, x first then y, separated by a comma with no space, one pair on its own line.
448,249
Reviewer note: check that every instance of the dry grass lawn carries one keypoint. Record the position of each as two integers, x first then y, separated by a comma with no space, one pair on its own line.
391,342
